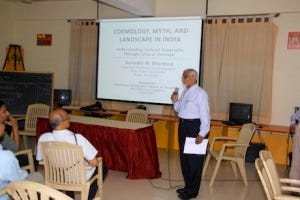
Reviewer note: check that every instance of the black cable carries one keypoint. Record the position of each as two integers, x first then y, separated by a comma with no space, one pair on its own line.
171,187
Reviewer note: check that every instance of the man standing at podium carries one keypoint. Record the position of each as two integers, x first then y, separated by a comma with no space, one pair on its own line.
194,121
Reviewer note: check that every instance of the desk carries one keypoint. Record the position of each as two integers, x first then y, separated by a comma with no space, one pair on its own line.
127,147
276,137
115,112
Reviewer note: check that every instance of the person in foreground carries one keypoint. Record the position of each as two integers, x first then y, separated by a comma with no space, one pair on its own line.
5,118
10,169
59,121
194,121
11,124
295,128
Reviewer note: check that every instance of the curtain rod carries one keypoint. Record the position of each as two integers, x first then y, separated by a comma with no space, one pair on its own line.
246,15
207,17
82,20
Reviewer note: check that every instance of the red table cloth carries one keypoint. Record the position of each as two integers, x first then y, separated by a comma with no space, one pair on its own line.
127,150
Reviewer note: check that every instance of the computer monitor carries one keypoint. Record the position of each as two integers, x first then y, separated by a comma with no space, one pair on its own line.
62,97
240,113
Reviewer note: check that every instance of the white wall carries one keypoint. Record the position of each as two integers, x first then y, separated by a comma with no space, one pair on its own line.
173,8
286,90
241,7
7,28
51,17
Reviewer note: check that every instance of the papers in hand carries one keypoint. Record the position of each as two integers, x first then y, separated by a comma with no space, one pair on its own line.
190,147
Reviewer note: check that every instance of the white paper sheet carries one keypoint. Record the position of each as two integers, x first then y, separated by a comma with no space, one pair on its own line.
190,147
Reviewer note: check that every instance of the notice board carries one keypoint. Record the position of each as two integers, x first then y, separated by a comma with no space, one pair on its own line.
19,89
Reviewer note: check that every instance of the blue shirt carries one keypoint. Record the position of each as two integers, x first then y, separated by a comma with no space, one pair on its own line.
193,104
10,170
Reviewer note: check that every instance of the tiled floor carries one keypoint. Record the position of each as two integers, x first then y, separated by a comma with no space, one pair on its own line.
116,186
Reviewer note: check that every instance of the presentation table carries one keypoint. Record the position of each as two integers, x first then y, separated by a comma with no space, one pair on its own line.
124,146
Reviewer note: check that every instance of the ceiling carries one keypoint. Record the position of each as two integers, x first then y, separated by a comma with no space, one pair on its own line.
137,7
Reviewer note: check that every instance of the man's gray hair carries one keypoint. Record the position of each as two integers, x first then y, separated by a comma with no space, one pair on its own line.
55,122
193,72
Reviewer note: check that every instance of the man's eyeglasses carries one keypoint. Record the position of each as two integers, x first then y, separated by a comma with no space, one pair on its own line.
66,118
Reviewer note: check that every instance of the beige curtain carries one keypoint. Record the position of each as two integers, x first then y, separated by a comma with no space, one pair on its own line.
238,64
83,60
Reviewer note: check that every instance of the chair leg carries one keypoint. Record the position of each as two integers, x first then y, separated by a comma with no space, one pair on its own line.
84,194
25,142
206,164
212,180
234,169
241,165
100,187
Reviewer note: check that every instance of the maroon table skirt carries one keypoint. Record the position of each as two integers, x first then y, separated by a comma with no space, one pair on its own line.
126,150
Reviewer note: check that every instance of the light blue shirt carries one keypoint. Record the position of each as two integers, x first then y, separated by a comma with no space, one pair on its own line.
193,104
10,170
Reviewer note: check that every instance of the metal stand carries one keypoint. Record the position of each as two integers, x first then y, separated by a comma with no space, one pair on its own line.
14,59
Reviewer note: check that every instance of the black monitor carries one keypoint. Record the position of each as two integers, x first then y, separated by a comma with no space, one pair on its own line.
240,113
62,97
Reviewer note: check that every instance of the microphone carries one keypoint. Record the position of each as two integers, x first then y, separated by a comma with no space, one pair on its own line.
176,91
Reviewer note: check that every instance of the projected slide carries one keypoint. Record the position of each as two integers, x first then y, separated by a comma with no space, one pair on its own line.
142,60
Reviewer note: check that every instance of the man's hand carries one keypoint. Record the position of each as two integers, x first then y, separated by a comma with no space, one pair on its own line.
1,129
174,97
15,128
199,139
292,128
94,162
12,121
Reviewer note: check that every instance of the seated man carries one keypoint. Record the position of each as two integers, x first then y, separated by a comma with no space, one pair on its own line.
11,143
7,119
10,169
59,121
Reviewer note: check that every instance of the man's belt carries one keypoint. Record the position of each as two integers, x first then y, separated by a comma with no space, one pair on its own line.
188,120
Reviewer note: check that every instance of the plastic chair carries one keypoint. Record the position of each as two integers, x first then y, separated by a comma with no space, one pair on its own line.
33,112
30,165
25,190
137,116
264,178
235,156
276,187
65,168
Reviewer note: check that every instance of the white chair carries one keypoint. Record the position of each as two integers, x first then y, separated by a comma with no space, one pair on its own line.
234,152
25,190
137,116
65,168
33,112
274,186
30,165
261,171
